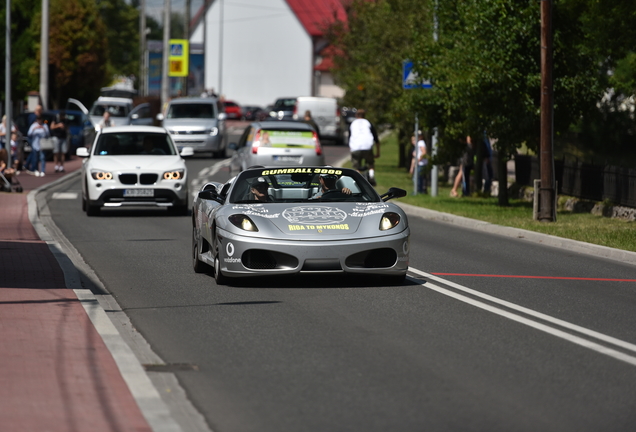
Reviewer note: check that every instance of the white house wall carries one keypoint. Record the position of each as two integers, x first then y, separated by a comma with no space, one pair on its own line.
266,52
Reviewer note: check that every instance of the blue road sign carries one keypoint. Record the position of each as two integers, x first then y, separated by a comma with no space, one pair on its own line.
410,78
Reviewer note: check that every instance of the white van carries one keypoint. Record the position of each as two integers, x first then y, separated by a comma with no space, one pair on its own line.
325,112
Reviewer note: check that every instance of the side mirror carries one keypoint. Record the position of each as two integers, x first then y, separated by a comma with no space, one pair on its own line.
393,193
160,117
210,194
187,152
134,116
81,152
222,116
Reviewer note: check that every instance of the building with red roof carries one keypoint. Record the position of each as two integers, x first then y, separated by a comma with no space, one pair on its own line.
259,50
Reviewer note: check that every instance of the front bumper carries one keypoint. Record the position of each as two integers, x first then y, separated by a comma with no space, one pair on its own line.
199,142
248,256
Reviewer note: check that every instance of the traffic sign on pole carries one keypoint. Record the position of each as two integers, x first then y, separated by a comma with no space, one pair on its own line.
178,58
410,78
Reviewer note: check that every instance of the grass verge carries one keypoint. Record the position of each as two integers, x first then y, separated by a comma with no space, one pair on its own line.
585,227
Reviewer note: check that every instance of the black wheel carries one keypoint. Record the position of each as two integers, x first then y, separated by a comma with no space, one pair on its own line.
83,204
218,273
181,210
92,210
198,265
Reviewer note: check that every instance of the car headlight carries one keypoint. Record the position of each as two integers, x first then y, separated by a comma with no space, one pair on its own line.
243,222
101,175
212,131
174,175
389,220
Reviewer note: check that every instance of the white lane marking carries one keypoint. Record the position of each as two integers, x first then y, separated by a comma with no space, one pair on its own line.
204,174
542,327
65,195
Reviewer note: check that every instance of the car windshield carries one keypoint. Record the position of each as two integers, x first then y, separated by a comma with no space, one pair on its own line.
195,110
114,110
301,184
133,144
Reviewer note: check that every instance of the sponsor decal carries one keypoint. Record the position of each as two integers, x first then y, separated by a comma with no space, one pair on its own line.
320,228
301,171
229,249
314,215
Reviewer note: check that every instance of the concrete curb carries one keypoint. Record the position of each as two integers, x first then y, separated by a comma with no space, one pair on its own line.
626,257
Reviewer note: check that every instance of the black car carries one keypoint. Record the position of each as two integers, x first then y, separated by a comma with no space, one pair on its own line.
283,108
252,112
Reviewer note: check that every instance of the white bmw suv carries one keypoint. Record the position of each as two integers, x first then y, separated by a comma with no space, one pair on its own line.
134,166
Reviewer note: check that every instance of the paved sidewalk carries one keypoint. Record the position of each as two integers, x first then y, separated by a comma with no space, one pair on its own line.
56,373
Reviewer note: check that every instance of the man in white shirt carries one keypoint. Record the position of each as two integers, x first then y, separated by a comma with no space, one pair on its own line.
362,137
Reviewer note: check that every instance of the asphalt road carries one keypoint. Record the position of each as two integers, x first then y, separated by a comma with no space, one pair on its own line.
549,347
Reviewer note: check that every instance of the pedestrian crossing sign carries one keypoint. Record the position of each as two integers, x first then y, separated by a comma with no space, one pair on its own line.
178,53
411,79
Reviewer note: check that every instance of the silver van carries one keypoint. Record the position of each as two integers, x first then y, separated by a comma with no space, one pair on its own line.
196,122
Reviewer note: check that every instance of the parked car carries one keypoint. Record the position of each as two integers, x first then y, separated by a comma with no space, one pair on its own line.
134,166
235,235
325,112
196,122
252,113
233,110
277,143
283,108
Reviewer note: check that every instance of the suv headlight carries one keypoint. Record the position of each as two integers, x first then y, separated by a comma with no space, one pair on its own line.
101,175
212,131
174,175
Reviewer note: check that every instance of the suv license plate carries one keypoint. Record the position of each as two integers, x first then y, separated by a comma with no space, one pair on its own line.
139,192
288,159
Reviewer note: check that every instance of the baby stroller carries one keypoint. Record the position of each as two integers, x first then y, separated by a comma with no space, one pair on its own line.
9,182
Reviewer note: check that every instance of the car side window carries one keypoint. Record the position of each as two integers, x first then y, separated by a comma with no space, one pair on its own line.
243,141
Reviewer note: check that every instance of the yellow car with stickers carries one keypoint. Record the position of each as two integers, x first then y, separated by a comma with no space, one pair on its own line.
298,219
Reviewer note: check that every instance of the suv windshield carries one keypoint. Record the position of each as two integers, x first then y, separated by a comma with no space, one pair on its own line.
134,143
114,110
196,110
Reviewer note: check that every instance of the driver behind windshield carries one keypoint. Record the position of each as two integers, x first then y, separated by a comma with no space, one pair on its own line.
259,188
327,184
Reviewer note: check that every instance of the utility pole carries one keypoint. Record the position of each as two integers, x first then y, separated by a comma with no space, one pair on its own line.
142,48
165,84
7,85
44,55
220,48
547,193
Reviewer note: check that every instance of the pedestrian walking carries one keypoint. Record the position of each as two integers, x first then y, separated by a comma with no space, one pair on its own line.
307,118
466,165
59,131
419,162
37,158
362,138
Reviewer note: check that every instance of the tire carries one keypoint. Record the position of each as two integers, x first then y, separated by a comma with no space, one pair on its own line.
83,204
218,274
92,210
181,210
197,265
394,280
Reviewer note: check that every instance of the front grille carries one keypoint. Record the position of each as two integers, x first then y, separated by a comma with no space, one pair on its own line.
258,260
129,179
148,179
376,258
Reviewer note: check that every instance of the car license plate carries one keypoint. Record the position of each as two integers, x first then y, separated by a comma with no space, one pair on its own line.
139,192
289,159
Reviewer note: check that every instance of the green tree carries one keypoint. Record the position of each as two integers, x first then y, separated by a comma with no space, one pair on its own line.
77,51
122,33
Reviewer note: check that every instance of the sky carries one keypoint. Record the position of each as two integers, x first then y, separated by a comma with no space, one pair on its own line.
154,8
